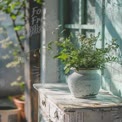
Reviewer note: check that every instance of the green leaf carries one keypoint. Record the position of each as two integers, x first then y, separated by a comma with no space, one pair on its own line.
13,17
85,55
67,70
62,56
39,1
22,37
17,28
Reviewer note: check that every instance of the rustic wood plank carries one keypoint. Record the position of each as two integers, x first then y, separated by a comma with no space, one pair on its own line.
32,60
63,107
68,102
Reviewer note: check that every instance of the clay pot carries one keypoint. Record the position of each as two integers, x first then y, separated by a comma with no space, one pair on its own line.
20,105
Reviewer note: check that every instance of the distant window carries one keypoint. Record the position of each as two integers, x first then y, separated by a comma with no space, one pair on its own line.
77,16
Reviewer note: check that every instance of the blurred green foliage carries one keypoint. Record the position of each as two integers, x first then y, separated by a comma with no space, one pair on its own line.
16,9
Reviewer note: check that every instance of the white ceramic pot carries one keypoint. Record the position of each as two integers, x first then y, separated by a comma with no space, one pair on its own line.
84,83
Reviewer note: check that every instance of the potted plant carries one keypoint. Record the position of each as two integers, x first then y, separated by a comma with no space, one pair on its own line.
19,100
85,60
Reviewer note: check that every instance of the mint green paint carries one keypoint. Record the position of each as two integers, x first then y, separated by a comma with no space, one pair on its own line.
80,12
103,23
108,21
112,79
99,20
79,26
109,17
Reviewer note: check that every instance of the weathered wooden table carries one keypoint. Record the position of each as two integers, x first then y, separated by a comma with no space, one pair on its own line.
57,105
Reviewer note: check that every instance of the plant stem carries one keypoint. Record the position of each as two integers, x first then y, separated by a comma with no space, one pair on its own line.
18,37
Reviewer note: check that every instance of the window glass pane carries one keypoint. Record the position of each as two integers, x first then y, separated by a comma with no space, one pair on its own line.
73,32
88,32
73,11
90,12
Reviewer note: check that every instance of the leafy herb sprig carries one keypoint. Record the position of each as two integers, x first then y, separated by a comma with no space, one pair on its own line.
85,56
